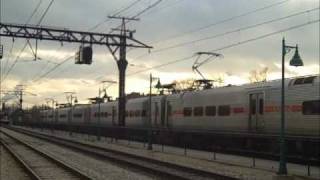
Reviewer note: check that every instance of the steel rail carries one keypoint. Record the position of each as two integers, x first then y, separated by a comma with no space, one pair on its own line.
22,163
46,156
160,168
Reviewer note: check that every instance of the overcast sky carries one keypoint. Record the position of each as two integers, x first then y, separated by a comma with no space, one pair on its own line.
175,28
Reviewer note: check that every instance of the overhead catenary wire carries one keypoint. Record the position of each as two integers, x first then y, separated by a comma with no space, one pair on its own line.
229,46
115,14
134,16
24,47
180,34
221,21
233,31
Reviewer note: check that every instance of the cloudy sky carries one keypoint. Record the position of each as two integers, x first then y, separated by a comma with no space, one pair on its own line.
247,33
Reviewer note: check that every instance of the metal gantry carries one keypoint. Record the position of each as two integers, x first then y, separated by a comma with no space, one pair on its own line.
114,42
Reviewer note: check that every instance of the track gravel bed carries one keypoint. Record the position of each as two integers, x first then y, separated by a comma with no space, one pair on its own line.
216,166
10,169
39,164
91,166
150,165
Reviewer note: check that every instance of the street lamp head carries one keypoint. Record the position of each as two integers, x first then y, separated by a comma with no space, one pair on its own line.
296,59
158,85
105,96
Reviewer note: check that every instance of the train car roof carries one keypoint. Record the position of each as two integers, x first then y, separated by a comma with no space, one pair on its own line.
274,84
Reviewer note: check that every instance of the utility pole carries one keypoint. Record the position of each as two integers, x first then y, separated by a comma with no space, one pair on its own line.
70,98
122,65
150,133
53,102
114,42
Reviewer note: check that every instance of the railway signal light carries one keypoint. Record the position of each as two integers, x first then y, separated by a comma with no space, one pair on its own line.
84,55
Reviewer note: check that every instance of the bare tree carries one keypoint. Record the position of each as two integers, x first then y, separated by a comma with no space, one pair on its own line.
259,76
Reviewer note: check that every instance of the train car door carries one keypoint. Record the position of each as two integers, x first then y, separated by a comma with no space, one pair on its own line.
168,114
113,115
156,114
87,115
256,111
56,117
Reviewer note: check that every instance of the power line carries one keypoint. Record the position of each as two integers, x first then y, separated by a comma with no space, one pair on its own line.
45,12
232,31
24,47
115,14
54,68
140,13
129,6
136,15
222,21
230,46
165,7
34,12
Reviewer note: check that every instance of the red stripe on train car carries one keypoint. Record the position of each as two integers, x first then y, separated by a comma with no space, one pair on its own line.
238,110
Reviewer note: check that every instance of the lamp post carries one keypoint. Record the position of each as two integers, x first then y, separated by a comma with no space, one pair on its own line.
150,113
52,112
295,61
70,98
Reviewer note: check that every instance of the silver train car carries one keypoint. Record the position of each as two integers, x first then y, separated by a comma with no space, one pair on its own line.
251,108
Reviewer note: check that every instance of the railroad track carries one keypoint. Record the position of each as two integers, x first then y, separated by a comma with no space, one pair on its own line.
38,164
162,169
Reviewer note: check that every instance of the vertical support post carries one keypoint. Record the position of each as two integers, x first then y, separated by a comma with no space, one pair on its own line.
150,116
122,66
283,162
99,119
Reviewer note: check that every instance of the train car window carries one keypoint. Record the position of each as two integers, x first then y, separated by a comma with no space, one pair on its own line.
224,110
77,115
211,111
63,116
311,107
137,113
261,104
298,81
309,80
169,110
198,111
143,113
253,107
187,111
131,113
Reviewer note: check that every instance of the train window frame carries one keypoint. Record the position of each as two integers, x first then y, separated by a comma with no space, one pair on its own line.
143,113
261,106
224,110
311,107
210,110
253,106
298,81
187,111
198,111
137,113
131,113
309,80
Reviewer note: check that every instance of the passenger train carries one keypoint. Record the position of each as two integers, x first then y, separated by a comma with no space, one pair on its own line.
251,110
